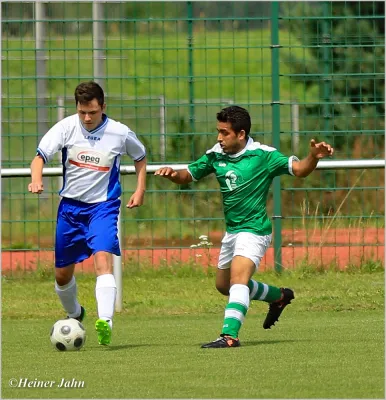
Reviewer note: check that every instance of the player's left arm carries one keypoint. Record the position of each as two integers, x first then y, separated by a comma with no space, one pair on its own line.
36,185
318,151
136,200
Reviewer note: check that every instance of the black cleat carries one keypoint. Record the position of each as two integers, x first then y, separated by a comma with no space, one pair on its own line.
81,316
277,307
222,342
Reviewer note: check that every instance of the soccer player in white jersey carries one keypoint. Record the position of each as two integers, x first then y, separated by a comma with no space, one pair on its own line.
245,170
92,145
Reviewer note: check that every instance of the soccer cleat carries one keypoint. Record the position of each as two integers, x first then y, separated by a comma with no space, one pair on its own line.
277,307
82,314
222,342
104,331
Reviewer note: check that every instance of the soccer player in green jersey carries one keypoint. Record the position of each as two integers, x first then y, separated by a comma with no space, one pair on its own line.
245,170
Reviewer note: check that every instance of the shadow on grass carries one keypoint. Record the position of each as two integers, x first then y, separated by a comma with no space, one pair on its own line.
124,346
263,342
117,347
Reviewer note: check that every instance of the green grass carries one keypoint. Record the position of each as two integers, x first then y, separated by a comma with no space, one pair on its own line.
310,355
328,344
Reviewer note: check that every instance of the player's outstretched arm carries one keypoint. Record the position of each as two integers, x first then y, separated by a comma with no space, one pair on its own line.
36,185
180,177
136,200
318,151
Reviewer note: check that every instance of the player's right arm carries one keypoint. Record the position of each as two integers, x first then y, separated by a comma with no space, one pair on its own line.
196,171
36,185
51,143
180,177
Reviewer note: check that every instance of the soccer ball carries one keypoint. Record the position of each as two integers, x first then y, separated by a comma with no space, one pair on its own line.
68,335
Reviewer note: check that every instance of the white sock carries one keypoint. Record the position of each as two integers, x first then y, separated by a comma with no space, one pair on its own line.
239,293
68,297
236,309
105,293
253,292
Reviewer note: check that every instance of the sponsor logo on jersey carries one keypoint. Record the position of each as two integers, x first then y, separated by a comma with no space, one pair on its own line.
232,180
222,164
89,157
91,160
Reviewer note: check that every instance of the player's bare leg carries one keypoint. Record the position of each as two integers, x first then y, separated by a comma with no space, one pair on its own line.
223,278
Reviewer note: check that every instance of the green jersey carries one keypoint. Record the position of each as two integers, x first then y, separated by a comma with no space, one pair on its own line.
244,180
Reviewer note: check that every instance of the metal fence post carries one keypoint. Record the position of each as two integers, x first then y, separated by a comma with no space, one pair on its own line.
276,133
117,269
61,114
162,128
1,90
190,67
41,72
295,126
326,67
98,33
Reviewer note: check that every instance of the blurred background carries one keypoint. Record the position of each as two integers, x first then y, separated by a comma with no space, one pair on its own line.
303,69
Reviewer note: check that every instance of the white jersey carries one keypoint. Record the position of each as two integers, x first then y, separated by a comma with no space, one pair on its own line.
91,159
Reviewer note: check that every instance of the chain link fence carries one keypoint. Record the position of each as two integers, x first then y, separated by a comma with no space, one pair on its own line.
303,70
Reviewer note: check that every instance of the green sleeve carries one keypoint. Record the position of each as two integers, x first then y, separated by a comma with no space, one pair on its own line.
201,167
278,163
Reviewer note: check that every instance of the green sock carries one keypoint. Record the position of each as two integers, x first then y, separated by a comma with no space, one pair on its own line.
234,318
263,292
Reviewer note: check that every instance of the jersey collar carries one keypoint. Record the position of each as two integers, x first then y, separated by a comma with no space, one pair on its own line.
98,128
250,141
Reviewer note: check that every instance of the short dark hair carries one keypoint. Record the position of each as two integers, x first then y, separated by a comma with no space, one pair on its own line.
88,91
238,117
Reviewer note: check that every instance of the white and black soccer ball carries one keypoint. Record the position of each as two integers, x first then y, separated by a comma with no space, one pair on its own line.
68,335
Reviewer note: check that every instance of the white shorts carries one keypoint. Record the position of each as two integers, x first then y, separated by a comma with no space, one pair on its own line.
244,244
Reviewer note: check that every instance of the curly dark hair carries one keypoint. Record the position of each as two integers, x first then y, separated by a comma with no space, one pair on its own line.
238,117
88,91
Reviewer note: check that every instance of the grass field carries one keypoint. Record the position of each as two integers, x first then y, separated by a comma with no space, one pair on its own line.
328,344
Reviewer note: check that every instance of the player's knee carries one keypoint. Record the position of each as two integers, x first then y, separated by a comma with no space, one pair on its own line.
222,289
103,263
103,269
61,281
62,278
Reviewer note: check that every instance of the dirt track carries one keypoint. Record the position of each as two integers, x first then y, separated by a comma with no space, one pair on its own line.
337,246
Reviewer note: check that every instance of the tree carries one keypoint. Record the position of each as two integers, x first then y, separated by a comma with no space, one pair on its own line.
346,42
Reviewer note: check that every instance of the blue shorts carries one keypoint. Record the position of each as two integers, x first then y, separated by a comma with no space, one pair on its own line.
83,229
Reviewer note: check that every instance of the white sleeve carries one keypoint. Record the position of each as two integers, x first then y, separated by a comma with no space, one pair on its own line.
133,147
52,142
290,160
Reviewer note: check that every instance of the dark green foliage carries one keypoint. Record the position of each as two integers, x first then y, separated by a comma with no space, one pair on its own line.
346,41
244,15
